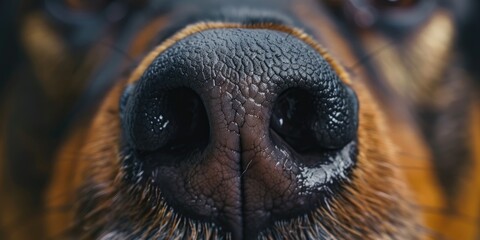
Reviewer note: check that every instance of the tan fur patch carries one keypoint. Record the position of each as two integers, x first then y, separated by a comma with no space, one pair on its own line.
48,53
414,70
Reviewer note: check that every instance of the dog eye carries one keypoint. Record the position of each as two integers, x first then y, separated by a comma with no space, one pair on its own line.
101,5
91,12
83,21
86,5
88,9
394,4
394,15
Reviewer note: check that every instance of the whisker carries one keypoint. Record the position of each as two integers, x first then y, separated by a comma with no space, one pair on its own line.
448,212
408,167
395,165
117,49
408,154
431,232
368,56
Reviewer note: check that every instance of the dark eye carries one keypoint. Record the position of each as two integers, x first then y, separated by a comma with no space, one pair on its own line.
91,12
75,11
394,4
392,15
83,21
86,5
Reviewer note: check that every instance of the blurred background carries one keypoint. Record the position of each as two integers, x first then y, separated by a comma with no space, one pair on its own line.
38,103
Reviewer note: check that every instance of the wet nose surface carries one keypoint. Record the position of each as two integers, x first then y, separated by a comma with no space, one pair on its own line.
242,128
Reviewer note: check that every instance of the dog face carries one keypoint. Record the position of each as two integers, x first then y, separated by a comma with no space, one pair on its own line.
253,120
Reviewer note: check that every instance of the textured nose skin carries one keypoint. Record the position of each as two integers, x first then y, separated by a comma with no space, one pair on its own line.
246,177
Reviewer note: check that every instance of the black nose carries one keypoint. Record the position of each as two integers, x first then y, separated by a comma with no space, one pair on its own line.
243,128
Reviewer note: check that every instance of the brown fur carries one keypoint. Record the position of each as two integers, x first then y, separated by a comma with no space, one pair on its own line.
376,204
394,192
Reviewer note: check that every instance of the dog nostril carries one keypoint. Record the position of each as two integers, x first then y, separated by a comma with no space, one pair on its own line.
170,121
309,124
292,118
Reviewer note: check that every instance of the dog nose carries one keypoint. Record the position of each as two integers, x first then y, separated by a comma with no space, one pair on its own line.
240,128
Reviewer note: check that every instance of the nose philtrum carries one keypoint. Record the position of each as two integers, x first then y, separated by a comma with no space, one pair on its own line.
245,178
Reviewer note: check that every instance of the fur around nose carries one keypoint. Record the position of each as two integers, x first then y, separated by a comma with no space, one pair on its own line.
245,177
